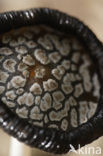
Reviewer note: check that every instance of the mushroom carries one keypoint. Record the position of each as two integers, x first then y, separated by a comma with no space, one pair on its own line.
49,81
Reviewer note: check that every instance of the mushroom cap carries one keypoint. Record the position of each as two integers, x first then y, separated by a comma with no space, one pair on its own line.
48,78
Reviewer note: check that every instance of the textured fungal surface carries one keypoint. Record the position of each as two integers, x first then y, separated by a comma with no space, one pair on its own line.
47,78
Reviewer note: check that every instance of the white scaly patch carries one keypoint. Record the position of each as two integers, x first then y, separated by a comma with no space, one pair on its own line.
36,89
9,65
3,76
40,55
18,81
